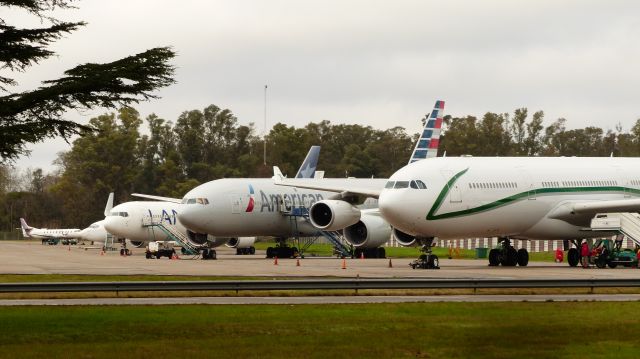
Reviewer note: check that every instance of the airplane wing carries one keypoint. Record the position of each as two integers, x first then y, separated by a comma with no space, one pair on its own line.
621,205
319,185
571,210
158,198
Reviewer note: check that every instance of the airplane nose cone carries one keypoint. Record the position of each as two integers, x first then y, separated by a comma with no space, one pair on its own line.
195,218
113,225
396,211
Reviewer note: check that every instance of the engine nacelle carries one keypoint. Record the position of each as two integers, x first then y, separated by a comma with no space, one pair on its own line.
200,239
241,242
137,244
370,231
333,215
403,238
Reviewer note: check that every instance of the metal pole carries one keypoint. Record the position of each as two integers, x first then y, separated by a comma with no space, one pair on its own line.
265,126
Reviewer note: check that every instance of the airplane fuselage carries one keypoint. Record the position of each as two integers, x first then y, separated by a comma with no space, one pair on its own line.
519,197
254,207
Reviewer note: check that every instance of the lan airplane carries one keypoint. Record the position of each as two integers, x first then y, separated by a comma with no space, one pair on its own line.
44,233
126,219
535,198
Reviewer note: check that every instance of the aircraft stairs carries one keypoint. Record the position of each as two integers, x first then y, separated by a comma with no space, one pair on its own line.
624,223
340,246
173,233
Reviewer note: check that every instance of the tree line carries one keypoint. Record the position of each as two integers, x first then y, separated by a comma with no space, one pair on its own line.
203,145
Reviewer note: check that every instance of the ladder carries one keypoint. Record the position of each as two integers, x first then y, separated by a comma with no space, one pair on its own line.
625,223
173,233
340,247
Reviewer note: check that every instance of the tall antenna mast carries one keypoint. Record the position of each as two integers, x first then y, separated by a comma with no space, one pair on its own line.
265,126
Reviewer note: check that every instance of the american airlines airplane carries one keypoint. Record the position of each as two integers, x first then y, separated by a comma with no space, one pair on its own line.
534,198
127,220
44,233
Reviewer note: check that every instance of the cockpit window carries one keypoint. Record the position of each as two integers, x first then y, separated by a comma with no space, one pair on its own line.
199,200
389,184
401,184
413,184
421,184
120,214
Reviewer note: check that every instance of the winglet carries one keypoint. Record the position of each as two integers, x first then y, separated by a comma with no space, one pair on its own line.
277,173
107,208
427,145
310,163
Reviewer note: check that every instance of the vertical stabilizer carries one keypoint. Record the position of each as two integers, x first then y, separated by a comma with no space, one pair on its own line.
427,145
107,208
308,167
25,228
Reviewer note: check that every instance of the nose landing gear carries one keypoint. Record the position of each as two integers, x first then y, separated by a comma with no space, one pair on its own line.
427,260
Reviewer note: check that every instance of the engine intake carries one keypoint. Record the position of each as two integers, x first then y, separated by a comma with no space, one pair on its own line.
370,231
137,244
241,242
403,238
333,215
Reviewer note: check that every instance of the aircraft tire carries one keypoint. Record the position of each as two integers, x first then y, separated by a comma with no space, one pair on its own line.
252,250
270,252
523,257
213,254
494,257
613,265
434,262
509,257
573,257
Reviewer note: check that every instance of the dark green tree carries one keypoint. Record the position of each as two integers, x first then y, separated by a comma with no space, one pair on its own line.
32,116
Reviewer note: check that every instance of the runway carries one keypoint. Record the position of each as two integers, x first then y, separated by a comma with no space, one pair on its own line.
325,300
27,257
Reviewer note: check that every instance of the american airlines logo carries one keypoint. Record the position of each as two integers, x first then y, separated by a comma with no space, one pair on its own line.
273,202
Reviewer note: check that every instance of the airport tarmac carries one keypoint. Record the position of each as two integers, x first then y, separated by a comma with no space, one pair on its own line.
30,257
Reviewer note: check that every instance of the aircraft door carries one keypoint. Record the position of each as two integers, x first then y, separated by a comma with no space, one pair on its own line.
527,185
236,203
454,189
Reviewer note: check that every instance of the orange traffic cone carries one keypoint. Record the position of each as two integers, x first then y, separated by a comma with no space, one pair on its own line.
390,264
69,248
297,263
361,255
344,263
275,261
102,252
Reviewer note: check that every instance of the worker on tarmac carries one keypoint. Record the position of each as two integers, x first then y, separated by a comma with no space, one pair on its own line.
638,258
584,252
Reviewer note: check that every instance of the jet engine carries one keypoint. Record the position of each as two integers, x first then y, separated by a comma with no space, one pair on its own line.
370,231
137,244
241,242
333,215
403,238
200,239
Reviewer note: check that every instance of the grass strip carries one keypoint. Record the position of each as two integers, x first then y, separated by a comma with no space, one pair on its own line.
408,330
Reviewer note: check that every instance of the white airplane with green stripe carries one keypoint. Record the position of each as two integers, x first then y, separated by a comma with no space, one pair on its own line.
534,198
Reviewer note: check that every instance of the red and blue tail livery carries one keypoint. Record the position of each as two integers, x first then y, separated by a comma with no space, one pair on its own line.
427,145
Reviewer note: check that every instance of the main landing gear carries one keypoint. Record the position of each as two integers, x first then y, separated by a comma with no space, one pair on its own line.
573,255
246,251
209,253
427,259
507,255
282,250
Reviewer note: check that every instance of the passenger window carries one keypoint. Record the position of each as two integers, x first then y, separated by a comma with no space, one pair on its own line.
389,184
401,184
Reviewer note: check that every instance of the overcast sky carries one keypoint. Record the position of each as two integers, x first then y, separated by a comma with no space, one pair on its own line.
378,63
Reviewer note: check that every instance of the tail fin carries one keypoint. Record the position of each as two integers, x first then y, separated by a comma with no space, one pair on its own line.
25,227
427,145
107,208
308,167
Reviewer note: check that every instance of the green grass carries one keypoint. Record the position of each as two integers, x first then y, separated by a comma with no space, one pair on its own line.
433,330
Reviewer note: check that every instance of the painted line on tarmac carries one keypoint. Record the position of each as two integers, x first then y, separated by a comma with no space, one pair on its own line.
325,300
